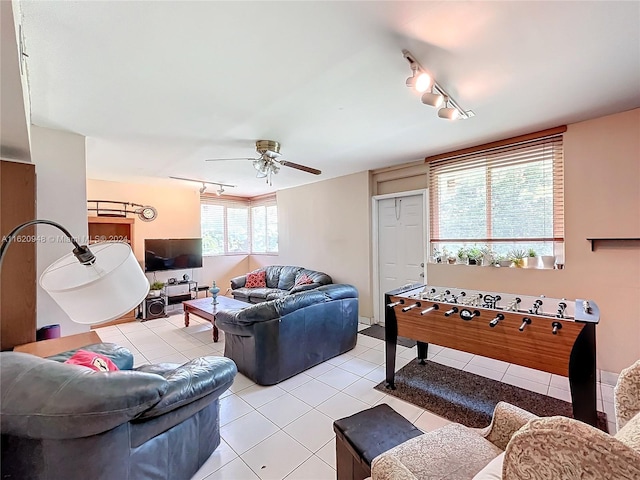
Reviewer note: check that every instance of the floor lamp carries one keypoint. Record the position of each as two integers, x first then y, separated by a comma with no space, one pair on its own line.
91,286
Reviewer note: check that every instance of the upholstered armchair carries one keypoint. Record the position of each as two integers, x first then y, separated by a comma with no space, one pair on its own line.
557,448
453,452
62,421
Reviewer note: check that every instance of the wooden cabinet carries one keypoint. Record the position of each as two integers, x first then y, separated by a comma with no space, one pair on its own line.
18,278
111,229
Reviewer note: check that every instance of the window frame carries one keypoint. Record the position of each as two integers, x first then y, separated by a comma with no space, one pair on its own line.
266,202
496,155
237,202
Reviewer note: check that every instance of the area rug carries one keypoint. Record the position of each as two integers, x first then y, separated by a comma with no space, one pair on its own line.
469,399
377,331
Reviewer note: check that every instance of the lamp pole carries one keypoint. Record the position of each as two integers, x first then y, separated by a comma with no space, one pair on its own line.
82,252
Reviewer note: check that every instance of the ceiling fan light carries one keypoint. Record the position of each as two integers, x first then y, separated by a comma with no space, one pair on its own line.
449,113
432,99
258,165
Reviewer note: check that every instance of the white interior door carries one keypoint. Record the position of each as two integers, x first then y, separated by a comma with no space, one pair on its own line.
401,244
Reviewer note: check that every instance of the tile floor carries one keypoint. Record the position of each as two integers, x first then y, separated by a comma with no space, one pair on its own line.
286,430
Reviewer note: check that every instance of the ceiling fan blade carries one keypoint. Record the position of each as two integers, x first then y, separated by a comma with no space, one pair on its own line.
297,166
225,159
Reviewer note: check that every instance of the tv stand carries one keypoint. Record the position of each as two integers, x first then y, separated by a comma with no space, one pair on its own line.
176,293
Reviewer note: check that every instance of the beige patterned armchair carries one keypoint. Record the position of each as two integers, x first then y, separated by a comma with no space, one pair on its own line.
553,448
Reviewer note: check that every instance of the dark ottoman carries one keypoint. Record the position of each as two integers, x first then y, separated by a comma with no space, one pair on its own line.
365,435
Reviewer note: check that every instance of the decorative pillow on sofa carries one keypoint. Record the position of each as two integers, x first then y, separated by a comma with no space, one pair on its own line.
304,279
93,360
256,279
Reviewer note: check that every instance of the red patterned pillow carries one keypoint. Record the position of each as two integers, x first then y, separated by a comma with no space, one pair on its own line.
256,279
304,279
94,361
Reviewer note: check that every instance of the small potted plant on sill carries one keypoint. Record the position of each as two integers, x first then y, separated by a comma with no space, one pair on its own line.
517,257
475,256
502,261
531,260
463,256
489,257
155,289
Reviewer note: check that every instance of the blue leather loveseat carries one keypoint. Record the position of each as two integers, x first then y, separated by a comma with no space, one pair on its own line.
275,340
280,280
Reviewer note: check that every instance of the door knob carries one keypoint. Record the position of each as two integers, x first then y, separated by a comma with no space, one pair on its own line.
422,274
422,264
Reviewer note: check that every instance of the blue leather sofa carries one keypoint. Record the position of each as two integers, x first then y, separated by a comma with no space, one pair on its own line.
274,340
280,280
62,421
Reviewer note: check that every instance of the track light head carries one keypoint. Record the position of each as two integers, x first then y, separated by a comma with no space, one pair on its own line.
433,99
220,191
203,188
449,113
421,81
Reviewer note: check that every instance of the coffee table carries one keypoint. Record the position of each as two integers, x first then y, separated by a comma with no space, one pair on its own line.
204,308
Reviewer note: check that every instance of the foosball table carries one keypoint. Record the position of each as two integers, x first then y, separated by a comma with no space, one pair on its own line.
552,335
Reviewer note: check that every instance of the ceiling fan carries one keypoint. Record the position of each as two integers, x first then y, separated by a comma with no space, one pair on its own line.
267,163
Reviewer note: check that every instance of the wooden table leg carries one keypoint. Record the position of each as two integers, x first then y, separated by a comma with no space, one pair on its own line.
186,317
215,330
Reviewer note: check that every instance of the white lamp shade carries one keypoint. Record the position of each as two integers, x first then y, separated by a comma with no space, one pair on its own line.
97,293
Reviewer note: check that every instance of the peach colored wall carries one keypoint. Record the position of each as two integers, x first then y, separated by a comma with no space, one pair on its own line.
602,199
178,217
326,226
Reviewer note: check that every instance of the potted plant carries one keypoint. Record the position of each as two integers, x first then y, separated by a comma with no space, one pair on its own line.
502,261
531,260
488,257
548,261
475,256
463,256
517,257
156,288
437,255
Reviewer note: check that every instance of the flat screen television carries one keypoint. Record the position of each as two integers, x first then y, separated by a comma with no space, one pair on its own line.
172,254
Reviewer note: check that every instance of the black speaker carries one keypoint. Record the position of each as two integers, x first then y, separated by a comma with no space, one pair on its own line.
153,308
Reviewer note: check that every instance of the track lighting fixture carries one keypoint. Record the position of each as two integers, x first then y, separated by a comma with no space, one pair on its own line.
433,99
436,96
202,189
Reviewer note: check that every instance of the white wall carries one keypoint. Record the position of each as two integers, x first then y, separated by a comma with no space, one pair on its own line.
326,226
59,158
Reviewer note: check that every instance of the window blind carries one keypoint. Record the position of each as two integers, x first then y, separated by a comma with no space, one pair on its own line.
238,225
506,197
224,225
264,225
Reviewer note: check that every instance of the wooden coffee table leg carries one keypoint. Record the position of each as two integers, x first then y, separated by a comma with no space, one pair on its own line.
186,317
215,331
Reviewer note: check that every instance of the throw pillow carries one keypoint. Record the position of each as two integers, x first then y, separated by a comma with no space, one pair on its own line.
303,279
256,279
94,361
493,470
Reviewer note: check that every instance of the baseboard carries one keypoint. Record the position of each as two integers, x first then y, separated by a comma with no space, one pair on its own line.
365,320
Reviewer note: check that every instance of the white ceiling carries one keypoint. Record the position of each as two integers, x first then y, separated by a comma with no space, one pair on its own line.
157,87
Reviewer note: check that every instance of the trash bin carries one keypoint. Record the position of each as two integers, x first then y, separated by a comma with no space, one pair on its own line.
47,332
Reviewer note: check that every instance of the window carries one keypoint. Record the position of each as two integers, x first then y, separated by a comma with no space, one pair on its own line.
242,226
224,226
505,198
264,226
